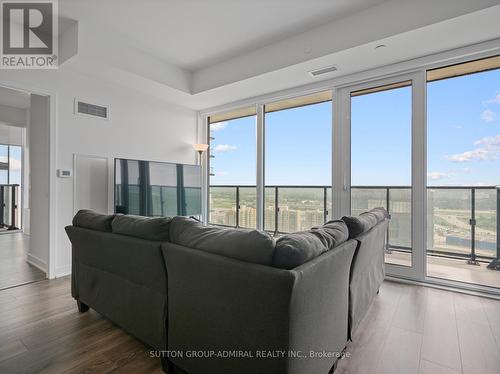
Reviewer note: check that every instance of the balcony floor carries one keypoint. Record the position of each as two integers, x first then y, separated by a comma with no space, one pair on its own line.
452,269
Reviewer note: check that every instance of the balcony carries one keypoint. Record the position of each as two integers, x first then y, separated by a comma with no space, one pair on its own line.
9,210
462,223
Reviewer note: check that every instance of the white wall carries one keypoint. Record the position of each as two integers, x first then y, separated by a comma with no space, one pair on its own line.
11,135
39,184
140,127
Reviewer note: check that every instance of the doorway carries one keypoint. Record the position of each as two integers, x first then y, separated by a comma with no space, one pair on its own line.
385,136
425,146
17,264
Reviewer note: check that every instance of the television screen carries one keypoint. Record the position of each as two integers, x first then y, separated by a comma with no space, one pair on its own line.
157,189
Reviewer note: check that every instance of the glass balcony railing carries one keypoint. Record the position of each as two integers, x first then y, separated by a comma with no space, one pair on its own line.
461,221
287,208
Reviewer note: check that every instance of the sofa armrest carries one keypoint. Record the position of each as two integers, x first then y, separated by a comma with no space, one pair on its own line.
367,273
319,309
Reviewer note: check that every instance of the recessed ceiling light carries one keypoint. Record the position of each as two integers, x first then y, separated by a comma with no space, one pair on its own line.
324,70
380,46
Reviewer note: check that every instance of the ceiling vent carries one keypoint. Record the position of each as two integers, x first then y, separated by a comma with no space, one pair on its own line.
87,109
325,70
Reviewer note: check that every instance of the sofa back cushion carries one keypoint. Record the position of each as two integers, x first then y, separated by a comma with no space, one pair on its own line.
297,248
365,221
241,244
89,219
149,228
380,213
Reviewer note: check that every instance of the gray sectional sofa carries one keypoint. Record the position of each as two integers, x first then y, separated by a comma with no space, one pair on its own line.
223,300
367,270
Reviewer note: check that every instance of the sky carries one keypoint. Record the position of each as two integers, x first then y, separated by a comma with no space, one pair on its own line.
15,164
463,139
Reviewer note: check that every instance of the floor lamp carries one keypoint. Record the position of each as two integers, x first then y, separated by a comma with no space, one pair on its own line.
200,148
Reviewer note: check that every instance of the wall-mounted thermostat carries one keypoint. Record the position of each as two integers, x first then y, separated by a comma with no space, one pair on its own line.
61,173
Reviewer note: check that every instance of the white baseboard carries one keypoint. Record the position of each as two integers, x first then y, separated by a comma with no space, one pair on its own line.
36,262
63,271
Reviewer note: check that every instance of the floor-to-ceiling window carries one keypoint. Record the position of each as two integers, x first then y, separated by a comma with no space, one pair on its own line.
463,163
428,151
298,153
232,163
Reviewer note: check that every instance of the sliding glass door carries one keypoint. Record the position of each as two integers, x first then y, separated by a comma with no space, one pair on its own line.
383,129
381,161
425,146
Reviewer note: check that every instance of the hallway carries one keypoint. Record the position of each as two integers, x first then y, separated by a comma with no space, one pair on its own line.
14,269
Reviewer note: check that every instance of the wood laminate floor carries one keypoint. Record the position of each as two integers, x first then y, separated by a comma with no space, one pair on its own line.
413,329
14,269
409,329
41,331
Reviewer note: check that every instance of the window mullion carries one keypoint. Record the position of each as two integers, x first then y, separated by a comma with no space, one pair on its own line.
259,137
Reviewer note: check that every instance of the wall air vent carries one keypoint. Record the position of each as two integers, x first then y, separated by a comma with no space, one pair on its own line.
94,110
325,70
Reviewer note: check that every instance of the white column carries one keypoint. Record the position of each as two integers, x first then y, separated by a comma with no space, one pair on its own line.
341,151
419,173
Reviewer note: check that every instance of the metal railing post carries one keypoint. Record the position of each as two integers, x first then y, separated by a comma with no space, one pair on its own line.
276,210
2,205
495,264
472,260
387,204
162,202
237,207
325,207
498,223
13,208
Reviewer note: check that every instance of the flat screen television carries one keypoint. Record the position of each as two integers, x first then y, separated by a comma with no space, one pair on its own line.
157,189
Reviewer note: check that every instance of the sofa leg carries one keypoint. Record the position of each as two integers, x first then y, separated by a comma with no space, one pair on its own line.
82,307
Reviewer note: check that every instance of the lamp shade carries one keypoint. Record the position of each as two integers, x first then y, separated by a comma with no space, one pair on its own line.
200,147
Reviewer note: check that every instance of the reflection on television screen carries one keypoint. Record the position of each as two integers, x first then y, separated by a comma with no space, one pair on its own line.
157,189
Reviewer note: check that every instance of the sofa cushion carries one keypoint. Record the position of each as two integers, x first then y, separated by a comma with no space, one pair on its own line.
297,248
365,221
241,244
337,232
89,219
149,228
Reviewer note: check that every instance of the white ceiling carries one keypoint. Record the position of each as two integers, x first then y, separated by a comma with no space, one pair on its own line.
205,53
14,98
194,34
